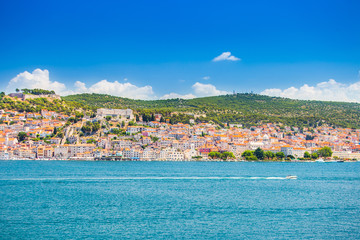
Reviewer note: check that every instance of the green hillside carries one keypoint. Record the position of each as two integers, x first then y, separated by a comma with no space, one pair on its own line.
37,104
247,109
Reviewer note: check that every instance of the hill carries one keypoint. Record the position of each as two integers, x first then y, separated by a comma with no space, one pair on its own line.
247,109
39,103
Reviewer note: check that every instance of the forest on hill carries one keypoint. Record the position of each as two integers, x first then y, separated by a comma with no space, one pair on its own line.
37,104
247,109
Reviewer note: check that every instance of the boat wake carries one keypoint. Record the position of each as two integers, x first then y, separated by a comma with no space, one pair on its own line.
143,178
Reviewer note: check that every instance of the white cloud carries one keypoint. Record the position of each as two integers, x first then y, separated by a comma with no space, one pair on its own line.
37,79
176,95
226,56
206,78
80,87
40,79
325,91
204,90
127,89
199,90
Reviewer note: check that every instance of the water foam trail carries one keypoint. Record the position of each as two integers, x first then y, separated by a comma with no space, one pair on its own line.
142,178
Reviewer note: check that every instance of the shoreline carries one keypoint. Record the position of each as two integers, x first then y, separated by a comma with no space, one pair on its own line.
137,160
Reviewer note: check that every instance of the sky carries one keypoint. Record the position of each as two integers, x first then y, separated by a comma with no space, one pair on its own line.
169,49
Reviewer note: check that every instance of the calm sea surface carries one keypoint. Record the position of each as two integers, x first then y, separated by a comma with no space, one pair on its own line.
178,200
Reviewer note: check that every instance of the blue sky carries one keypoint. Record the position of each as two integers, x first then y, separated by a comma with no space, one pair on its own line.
152,49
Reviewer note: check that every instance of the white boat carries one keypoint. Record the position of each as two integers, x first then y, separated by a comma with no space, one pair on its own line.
291,177
319,160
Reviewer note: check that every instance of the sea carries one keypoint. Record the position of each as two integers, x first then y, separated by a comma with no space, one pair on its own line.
179,200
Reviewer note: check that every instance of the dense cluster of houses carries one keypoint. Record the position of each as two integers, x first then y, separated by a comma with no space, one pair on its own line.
156,140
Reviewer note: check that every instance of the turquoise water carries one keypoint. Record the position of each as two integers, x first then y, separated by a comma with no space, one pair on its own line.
178,200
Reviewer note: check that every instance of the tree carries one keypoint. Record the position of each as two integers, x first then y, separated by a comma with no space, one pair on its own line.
22,136
223,156
37,91
72,120
214,155
269,155
280,155
96,126
145,117
325,152
308,137
227,155
91,140
251,158
247,153
116,131
60,134
17,90
291,157
307,155
154,139
314,155
259,153
79,115
86,129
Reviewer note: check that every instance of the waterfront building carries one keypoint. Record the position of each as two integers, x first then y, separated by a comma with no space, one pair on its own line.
61,151
287,150
346,155
75,149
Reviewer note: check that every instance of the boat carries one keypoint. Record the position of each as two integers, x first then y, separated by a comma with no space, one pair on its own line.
291,177
320,160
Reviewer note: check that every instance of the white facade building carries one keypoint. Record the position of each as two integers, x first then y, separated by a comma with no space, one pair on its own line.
115,113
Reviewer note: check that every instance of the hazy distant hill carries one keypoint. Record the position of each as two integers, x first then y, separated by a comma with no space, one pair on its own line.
248,109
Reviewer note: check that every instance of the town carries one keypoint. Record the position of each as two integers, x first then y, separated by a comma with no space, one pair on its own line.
116,134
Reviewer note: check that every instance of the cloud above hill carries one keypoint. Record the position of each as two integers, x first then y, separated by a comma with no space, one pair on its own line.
199,90
116,88
37,79
330,90
324,91
176,95
40,79
205,90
